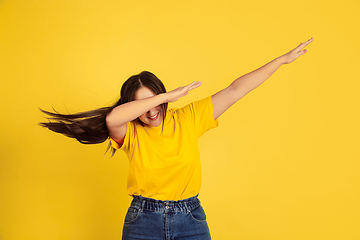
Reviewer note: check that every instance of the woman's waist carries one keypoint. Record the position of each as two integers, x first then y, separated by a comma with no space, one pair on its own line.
153,205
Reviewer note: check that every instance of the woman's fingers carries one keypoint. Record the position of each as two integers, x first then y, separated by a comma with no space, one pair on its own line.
194,85
302,45
182,91
296,52
191,86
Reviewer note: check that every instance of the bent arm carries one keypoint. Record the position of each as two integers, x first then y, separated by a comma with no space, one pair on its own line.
243,85
116,120
129,111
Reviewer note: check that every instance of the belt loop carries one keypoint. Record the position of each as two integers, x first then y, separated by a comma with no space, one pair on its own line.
142,206
187,208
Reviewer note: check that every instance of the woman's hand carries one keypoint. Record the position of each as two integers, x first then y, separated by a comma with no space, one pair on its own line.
296,52
177,93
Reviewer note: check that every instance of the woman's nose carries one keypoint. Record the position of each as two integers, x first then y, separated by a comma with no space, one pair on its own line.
152,111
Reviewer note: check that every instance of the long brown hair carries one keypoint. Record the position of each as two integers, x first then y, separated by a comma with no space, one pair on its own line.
90,127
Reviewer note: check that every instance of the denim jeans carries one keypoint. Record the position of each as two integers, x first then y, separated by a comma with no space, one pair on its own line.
166,220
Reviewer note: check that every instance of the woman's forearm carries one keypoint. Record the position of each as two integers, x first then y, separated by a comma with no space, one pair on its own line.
223,99
252,80
129,111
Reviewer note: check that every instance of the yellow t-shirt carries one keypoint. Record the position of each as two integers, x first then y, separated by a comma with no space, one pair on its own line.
165,161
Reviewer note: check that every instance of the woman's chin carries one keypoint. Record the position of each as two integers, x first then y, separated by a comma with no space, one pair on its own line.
156,123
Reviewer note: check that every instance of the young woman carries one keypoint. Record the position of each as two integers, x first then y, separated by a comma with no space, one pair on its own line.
164,175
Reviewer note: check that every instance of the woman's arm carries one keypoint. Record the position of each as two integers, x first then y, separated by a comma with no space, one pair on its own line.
116,120
243,85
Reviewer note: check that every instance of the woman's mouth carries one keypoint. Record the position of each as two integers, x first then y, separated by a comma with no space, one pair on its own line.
153,118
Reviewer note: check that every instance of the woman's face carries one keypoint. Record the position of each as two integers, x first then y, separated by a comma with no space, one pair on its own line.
154,116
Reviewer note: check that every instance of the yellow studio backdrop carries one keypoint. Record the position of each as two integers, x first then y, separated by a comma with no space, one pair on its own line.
283,163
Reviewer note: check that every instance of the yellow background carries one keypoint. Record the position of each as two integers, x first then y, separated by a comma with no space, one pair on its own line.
283,163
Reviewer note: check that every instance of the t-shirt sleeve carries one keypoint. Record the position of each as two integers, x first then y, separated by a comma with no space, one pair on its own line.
128,136
201,115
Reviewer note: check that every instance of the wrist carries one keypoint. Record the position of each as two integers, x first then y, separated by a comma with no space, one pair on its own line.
281,60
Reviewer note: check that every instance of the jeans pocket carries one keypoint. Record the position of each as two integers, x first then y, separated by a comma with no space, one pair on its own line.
198,214
132,214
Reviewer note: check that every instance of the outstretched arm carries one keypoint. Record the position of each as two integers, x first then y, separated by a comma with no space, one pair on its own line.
243,85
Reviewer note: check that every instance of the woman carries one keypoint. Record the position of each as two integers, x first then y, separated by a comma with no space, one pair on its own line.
164,174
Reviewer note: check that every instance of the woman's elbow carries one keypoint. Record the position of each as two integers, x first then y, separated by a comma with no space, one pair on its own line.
111,120
237,91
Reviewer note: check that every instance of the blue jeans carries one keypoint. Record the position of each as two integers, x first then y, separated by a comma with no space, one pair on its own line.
166,220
